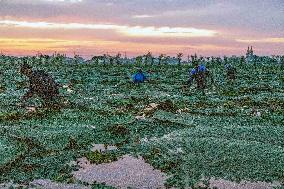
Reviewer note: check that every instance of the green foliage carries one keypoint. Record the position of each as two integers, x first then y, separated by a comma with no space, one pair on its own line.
231,153
118,130
187,136
98,157
101,186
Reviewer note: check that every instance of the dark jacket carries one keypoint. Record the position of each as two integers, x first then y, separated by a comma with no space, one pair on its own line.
43,85
198,74
231,72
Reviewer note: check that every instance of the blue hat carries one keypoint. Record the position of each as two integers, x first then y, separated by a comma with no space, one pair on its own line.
193,71
202,68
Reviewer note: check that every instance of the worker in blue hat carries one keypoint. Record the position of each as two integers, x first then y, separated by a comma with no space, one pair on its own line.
199,74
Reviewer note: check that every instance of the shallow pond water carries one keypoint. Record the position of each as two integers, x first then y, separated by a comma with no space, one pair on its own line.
126,172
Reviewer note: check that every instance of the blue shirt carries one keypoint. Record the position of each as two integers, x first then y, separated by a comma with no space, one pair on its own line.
139,78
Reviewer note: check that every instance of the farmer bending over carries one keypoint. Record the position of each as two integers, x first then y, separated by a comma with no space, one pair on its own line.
199,74
139,77
41,84
231,72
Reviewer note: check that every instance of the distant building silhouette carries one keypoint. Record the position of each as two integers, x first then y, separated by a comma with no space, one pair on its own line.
249,55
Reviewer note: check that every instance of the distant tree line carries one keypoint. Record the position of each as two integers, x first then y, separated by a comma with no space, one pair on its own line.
147,59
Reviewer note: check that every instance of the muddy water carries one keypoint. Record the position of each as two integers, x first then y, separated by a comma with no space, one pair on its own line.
126,172
135,173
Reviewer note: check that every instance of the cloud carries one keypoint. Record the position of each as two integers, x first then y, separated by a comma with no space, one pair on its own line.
137,31
264,40
31,2
71,1
253,16
207,25
168,32
143,16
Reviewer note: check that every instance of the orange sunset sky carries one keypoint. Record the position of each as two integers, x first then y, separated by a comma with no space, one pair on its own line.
92,27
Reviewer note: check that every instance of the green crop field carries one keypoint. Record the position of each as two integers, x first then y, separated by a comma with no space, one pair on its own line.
235,131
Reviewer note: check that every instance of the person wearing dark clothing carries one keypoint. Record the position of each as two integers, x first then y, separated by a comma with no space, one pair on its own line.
41,84
199,74
139,77
231,72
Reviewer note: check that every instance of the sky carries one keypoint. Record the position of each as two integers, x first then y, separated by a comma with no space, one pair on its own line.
134,27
